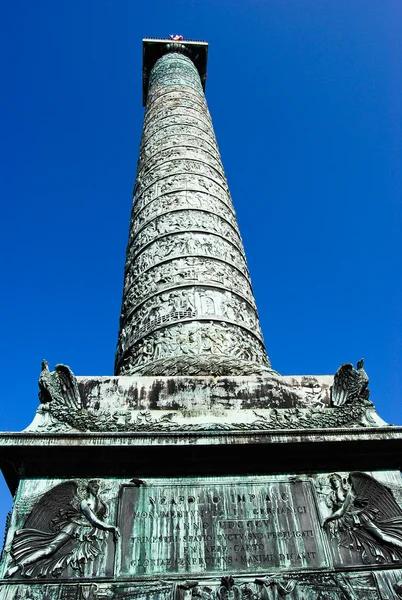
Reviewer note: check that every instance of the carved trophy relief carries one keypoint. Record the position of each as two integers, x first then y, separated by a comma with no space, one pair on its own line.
270,587
306,586
273,587
228,589
66,528
364,516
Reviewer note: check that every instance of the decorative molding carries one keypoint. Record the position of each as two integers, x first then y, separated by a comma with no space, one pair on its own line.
56,417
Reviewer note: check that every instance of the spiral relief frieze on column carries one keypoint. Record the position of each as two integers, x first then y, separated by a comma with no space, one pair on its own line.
183,221
184,271
188,305
143,213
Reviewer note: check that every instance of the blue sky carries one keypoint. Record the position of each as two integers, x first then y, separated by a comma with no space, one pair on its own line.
306,99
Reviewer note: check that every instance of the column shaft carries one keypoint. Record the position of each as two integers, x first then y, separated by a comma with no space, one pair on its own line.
188,306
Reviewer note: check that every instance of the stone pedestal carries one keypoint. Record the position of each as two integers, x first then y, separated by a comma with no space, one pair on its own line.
247,487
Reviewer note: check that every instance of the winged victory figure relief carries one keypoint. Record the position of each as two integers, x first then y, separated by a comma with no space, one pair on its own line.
64,529
365,518
349,384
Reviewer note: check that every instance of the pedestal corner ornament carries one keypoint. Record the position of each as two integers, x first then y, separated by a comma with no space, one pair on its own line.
196,470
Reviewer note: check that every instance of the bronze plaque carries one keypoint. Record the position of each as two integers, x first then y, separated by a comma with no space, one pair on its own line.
221,524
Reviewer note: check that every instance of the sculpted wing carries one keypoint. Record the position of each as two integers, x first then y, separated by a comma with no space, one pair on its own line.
373,523
346,384
375,496
30,544
59,386
68,387
59,498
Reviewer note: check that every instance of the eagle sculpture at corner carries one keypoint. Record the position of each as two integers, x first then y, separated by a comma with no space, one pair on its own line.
349,384
59,386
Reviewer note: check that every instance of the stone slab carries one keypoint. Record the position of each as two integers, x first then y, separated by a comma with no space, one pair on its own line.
212,394
190,404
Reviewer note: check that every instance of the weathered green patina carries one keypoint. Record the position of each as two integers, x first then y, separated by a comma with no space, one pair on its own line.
197,470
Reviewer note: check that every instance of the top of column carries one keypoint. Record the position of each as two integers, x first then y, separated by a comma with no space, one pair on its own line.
155,48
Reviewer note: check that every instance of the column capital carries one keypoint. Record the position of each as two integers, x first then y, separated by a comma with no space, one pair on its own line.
154,48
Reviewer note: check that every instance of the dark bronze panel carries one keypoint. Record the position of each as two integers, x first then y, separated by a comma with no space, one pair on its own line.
209,526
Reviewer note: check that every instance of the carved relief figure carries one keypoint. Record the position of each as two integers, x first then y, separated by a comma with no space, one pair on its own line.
228,590
183,270
274,587
206,338
180,191
178,150
193,143
184,244
64,529
183,590
366,517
